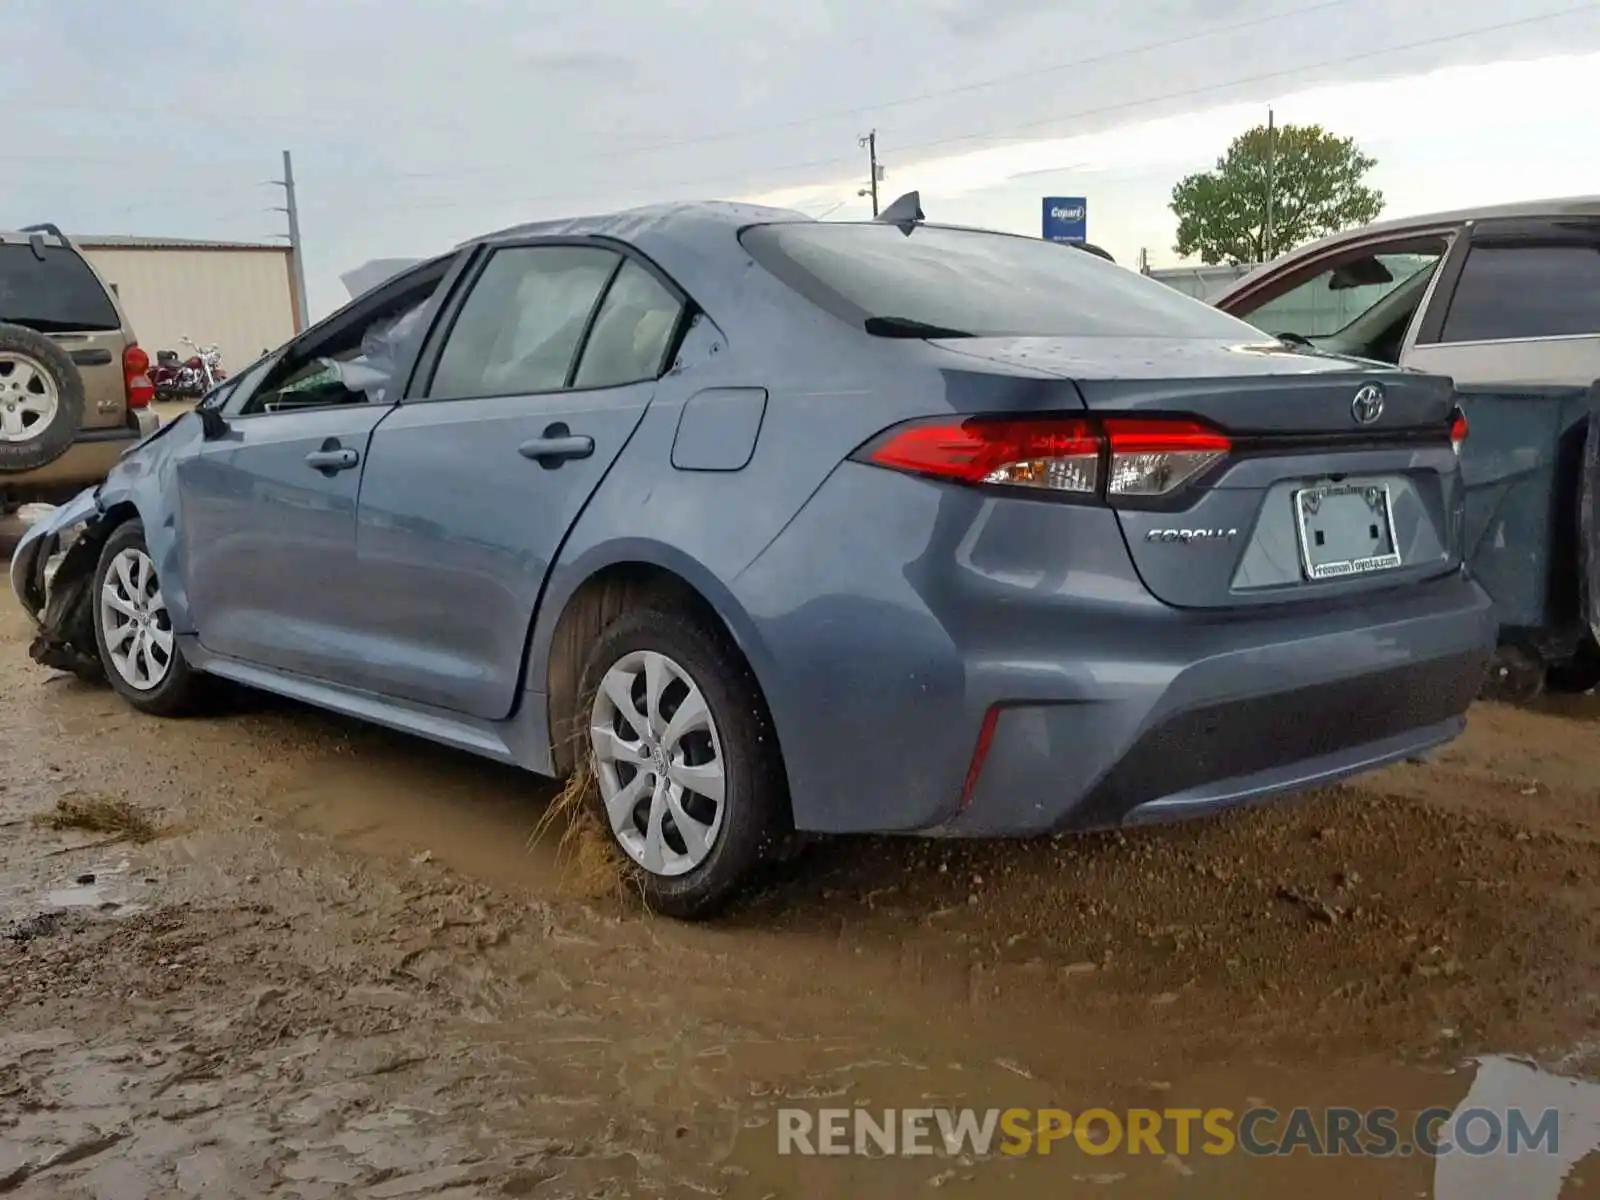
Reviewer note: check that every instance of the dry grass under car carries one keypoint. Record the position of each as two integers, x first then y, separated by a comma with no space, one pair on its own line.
591,866
118,820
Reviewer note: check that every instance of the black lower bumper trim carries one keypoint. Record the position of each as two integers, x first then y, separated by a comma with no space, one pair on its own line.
1242,737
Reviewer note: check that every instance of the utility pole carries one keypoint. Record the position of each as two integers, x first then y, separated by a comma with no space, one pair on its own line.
1272,153
291,209
870,142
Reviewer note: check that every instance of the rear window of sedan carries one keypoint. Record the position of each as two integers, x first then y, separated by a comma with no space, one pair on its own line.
943,282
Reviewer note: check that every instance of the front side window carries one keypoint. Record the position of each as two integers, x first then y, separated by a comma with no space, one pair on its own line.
356,365
1340,294
1525,291
519,329
938,282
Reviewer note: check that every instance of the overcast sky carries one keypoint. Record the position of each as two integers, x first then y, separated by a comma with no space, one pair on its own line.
415,125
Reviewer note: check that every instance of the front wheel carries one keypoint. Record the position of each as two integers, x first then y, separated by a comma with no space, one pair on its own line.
133,629
690,782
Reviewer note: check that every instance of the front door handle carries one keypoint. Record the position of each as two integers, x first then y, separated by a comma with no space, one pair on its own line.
556,445
332,458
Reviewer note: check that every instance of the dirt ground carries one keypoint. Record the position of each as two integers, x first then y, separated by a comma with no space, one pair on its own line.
272,952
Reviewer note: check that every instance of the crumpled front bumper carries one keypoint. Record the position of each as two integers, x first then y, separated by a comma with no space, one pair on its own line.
52,570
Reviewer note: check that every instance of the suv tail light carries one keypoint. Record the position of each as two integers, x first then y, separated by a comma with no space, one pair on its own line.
136,377
1131,457
1458,430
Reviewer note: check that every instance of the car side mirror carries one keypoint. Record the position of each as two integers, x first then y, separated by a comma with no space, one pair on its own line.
212,423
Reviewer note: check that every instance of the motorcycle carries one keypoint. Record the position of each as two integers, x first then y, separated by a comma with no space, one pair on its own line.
191,378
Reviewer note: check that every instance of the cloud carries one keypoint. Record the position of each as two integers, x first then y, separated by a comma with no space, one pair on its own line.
1539,103
416,124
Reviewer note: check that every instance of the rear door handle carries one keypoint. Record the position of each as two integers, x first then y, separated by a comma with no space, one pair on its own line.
556,446
333,459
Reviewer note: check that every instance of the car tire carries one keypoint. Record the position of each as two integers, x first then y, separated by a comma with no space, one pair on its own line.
133,629
41,400
689,873
1514,676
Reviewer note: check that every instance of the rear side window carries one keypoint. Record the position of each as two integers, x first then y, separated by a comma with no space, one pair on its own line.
632,333
959,282
519,328
54,294
1525,292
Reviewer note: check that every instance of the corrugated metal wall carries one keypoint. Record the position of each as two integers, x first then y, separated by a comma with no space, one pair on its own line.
239,299
1202,282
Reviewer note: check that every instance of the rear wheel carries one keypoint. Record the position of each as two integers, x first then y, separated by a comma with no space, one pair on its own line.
41,400
1515,677
690,783
133,628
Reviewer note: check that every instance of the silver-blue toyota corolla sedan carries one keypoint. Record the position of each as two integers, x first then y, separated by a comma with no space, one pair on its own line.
785,527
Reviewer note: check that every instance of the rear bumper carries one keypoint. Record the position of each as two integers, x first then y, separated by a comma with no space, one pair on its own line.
1241,726
883,646
86,462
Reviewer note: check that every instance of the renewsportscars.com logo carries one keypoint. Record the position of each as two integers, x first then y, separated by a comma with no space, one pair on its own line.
1258,1132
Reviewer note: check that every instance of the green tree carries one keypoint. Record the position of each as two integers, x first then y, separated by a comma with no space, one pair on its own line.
1317,189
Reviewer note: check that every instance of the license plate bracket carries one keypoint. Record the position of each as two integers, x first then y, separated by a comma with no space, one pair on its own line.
1346,529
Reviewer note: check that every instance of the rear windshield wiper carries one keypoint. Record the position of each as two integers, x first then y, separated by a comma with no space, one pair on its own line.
906,327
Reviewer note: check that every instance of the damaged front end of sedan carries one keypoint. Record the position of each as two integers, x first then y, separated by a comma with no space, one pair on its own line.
52,575
54,565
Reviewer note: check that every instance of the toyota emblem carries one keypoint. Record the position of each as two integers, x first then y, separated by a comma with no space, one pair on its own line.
1367,406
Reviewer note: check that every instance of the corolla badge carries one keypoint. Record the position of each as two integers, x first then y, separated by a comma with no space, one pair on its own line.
1367,406
1190,537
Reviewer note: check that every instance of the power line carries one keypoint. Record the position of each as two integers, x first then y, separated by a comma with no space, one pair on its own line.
942,93
1009,133
993,81
1267,76
958,90
839,162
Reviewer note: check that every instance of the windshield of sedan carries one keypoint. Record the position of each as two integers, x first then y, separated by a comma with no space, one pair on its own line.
942,282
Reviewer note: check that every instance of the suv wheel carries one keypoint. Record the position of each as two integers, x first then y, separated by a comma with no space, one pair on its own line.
134,631
41,400
691,786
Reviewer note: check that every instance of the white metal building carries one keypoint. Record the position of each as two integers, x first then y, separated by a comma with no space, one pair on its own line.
239,295
1202,282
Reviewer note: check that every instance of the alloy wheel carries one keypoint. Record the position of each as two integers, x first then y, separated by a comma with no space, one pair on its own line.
658,760
28,397
134,621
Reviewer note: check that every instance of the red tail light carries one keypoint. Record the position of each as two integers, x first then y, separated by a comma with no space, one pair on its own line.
1458,430
136,377
1154,457
1134,457
1056,454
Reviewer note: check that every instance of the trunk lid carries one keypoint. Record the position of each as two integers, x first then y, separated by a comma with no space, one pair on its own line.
1341,480
1241,387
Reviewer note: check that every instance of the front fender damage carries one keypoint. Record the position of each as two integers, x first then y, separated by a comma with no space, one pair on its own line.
54,579
54,566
